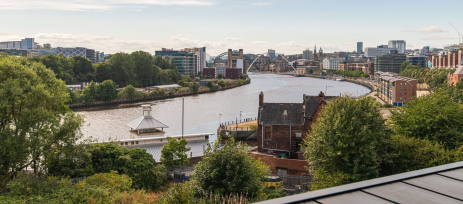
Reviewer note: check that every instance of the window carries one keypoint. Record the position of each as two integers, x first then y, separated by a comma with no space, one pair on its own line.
400,88
405,98
405,88
285,112
405,93
268,132
400,83
405,84
298,134
400,98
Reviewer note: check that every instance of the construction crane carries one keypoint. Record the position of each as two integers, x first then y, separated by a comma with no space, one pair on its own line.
458,33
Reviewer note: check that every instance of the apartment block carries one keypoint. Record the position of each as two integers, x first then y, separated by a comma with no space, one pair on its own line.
189,61
366,67
450,59
394,89
390,62
79,51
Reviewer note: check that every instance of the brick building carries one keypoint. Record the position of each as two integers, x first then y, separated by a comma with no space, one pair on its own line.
232,73
450,59
454,78
283,126
366,67
209,72
394,89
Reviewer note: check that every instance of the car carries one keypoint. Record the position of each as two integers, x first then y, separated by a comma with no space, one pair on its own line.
273,182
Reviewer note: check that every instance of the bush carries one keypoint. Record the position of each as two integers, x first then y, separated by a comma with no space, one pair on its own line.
387,105
171,92
30,184
107,90
129,92
110,180
349,137
180,193
154,93
435,117
229,169
194,87
221,83
162,92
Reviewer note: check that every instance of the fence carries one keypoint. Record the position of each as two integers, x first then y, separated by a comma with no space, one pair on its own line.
294,182
180,174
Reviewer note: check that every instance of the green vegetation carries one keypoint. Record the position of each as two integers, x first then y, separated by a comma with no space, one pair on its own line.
432,77
174,152
360,124
352,73
229,169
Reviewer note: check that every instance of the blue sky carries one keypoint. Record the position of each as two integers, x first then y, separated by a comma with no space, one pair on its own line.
288,26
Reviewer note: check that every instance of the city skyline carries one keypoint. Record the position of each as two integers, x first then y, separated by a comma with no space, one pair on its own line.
286,26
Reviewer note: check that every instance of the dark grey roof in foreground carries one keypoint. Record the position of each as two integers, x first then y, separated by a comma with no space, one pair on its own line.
440,184
273,114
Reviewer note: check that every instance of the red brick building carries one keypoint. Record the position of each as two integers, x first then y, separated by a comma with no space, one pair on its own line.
283,126
455,77
209,72
232,73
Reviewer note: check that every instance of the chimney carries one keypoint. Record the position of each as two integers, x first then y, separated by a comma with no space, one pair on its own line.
321,96
261,99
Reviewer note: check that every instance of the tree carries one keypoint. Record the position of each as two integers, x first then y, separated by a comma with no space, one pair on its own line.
143,67
101,72
174,152
349,139
195,87
90,93
121,69
129,92
83,69
107,90
221,83
33,116
220,76
435,117
404,65
229,168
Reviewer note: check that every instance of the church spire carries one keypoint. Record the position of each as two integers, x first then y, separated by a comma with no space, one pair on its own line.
315,49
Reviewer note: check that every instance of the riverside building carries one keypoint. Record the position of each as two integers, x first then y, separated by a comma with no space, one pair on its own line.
390,62
450,59
189,61
394,89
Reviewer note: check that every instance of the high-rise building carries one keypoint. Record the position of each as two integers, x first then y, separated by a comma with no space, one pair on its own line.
272,54
399,45
375,51
307,54
27,43
425,50
359,47
390,62
189,61
236,60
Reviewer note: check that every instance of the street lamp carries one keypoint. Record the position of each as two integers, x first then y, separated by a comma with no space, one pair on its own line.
240,116
220,119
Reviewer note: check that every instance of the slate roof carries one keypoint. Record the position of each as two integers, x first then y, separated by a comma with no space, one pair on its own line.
311,105
440,184
146,122
273,114
459,71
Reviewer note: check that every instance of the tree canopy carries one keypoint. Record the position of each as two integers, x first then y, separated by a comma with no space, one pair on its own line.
174,152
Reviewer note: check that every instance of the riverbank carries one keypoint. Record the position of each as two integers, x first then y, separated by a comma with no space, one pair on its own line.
76,106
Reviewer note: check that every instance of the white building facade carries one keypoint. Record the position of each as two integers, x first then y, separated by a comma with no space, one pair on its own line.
375,51
331,63
399,45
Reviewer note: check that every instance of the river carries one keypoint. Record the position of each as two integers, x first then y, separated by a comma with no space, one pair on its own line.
202,112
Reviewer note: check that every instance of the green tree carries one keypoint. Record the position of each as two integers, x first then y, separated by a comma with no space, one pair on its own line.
174,152
33,115
122,69
229,168
349,138
195,87
90,93
143,67
83,69
107,90
221,83
102,72
435,117
129,92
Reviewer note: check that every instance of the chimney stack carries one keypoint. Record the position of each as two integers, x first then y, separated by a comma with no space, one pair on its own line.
261,99
321,97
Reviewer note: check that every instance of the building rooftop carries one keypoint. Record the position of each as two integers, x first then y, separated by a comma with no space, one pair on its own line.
146,122
282,114
440,184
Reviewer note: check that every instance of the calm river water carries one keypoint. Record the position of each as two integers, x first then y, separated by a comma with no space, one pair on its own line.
202,112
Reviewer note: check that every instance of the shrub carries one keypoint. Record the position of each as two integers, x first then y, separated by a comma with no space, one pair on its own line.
154,93
387,105
221,83
109,180
162,92
29,184
171,92
229,169
129,92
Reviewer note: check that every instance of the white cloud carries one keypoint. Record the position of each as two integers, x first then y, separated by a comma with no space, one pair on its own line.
289,44
260,42
89,5
430,29
440,37
262,4
232,39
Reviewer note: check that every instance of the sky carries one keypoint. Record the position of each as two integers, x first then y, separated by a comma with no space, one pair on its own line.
288,26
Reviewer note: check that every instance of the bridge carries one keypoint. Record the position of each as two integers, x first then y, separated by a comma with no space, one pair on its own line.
259,55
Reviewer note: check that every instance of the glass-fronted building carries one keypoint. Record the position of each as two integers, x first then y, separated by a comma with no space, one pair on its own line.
389,62
185,61
418,60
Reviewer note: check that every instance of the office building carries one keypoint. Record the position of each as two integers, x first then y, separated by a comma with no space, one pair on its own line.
272,54
420,60
78,51
307,54
375,51
394,89
27,43
365,67
399,45
189,61
331,63
425,50
47,45
389,62
359,47
101,56
15,52
220,71
209,72
10,45
233,73
236,60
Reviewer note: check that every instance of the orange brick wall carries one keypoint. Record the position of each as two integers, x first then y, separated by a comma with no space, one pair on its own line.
294,166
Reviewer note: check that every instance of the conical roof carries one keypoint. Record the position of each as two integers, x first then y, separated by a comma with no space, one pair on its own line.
146,122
